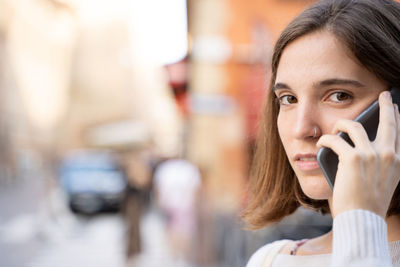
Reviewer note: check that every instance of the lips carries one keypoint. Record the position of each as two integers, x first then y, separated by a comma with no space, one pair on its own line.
307,159
306,162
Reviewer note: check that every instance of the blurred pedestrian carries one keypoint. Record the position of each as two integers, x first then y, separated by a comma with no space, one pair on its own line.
138,174
177,183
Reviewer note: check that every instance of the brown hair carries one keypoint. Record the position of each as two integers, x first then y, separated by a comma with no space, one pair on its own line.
371,31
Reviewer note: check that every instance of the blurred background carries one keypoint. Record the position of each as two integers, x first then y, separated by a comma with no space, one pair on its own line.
127,129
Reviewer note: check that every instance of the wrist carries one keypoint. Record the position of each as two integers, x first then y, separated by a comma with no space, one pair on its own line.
360,232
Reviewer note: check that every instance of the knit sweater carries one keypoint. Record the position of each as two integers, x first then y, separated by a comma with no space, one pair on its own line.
359,240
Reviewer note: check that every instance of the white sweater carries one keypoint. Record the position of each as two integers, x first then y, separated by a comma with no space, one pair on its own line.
359,240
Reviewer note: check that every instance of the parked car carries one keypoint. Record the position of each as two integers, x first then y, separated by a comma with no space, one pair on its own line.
93,181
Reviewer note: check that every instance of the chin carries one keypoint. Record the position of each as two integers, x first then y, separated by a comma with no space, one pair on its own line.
315,187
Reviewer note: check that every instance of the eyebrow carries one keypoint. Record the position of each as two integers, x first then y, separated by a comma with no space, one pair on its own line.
336,81
327,82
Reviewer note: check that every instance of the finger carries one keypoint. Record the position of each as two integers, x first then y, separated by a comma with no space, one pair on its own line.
336,143
387,129
356,133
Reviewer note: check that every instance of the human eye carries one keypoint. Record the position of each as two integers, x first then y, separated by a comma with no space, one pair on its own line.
339,97
287,100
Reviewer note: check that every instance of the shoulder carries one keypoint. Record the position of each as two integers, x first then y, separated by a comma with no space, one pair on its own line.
259,256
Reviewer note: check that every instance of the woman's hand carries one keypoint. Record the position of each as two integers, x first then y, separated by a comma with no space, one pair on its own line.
368,173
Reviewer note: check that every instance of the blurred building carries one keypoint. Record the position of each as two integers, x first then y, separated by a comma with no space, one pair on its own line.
78,78
231,43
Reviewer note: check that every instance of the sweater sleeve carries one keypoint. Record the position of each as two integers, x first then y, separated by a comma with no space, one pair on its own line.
360,240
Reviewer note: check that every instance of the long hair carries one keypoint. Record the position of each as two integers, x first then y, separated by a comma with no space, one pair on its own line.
370,29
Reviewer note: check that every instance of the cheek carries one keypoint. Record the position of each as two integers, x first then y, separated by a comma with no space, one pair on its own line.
330,119
331,116
286,131
329,124
283,131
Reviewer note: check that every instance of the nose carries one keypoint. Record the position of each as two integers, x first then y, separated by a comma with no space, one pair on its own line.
307,125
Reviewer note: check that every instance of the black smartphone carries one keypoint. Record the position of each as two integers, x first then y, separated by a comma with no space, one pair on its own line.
369,119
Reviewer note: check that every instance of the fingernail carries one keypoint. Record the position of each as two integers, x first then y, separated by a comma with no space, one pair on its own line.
387,95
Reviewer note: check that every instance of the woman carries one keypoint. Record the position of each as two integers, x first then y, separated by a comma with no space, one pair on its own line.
329,64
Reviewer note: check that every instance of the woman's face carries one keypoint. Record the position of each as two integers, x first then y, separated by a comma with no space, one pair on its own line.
317,83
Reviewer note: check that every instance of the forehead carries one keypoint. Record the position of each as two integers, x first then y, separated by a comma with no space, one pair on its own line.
319,56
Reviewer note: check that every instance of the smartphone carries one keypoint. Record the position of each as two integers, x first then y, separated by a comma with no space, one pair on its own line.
369,119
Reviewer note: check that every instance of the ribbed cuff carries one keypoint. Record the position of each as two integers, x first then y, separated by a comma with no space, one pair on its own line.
359,234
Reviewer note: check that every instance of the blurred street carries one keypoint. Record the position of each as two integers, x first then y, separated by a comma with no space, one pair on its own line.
19,221
35,234
92,242
35,231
